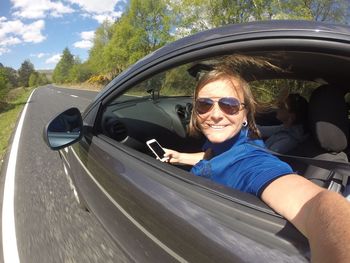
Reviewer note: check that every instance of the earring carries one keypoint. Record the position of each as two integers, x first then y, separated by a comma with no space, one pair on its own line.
245,123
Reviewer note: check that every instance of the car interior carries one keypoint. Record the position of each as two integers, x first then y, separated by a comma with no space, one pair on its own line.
160,108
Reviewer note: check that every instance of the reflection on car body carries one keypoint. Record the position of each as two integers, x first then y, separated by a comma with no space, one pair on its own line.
158,212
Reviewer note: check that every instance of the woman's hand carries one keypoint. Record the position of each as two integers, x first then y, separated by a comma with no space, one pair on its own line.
173,156
183,158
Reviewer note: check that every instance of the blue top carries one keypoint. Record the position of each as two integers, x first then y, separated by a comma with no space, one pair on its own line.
241,163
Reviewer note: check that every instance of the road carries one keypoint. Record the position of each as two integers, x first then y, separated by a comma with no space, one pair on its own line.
49,225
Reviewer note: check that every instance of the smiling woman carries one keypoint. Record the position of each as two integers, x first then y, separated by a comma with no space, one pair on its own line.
114,170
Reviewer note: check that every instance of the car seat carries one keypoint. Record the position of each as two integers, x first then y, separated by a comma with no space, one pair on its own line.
329,128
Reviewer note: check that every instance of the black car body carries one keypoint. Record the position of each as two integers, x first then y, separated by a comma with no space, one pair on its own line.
157,212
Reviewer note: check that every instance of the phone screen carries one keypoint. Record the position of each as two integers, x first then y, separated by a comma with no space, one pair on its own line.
157,148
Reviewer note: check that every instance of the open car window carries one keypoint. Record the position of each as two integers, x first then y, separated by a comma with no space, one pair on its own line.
156,108
160,107
176,82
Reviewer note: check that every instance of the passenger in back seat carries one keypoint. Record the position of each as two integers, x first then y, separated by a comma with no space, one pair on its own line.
292,112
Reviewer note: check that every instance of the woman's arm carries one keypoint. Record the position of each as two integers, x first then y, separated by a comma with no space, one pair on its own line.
322,216
183,158
187,158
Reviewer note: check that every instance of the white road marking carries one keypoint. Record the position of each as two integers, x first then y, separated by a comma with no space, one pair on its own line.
74,96
9,240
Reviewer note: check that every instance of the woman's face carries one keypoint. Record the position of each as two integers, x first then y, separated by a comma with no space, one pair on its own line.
216,125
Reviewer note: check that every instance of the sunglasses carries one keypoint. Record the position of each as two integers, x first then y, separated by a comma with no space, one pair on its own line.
227,105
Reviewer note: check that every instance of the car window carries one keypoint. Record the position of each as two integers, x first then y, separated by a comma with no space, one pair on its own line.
156,108
176,82
160,107
267,91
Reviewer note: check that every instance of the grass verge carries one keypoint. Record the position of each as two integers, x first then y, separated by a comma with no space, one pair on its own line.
9,113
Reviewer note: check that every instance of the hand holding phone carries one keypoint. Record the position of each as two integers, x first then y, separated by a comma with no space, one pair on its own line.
157,149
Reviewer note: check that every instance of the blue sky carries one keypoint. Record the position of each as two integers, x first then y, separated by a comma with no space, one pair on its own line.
39,30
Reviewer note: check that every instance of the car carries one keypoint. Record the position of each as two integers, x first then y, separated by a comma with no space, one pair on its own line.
159,212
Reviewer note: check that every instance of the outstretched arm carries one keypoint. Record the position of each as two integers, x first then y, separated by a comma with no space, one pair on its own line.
322,216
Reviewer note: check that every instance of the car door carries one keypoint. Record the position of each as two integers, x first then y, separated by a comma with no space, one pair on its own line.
158,212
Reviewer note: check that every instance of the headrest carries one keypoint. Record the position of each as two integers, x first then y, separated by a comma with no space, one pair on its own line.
328,118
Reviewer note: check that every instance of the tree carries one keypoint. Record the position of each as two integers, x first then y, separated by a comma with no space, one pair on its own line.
3,83
328,10
42,79
143,28
61,71
80,72
96,60
12,77
24,72
190,16
33,79
147,25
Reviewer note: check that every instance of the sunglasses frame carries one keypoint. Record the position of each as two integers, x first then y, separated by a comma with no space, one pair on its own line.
222,106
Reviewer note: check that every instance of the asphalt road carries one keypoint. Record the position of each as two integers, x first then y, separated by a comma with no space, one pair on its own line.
49,225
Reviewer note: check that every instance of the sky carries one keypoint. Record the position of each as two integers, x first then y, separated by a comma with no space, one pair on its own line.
39,30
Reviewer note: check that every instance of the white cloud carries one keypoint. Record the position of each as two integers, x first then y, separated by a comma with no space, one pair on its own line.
53,59
87,35
96,6
32,32
10,41
100,10
3,50
39,55
110,16
39,8
86,42
15,32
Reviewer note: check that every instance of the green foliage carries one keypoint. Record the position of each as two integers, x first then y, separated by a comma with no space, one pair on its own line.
79,73
144,27
33,79
3,83
178,81
26,69
147,25
36,79
268,90
12,77
96,61
63,67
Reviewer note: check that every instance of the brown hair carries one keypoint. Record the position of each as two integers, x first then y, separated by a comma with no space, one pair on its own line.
225,71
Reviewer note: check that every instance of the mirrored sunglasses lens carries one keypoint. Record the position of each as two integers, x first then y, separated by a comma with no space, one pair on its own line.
229,105
203,105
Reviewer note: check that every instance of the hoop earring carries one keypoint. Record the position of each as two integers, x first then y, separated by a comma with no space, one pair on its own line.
245,123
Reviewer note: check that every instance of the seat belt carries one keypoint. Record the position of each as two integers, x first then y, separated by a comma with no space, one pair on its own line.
342,168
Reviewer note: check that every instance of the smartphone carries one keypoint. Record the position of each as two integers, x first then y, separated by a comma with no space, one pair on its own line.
156,149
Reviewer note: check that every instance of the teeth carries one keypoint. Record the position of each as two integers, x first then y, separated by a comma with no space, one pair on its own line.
217,126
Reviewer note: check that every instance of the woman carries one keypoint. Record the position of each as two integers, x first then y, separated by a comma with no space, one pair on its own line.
292,113
234,155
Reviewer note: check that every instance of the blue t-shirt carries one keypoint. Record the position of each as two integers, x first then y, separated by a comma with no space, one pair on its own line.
239,164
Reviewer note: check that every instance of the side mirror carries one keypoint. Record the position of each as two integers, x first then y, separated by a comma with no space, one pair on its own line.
64,130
